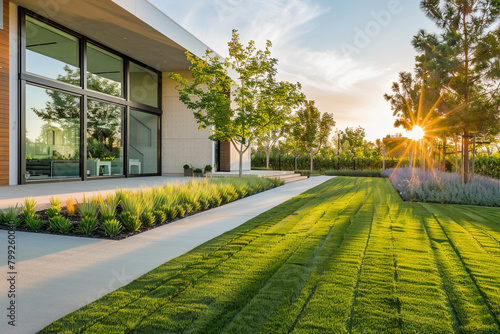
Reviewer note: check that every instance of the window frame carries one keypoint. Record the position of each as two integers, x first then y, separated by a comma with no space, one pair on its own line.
84,94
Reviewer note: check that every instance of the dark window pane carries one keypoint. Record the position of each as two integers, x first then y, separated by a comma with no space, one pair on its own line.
104,71
143,148
52,134
52,53
104,139
143,85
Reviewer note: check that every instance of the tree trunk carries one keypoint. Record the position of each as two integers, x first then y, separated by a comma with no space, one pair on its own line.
296,162
456,154
465,158
312,155
465,140
473,159
240,174
268,153
444,155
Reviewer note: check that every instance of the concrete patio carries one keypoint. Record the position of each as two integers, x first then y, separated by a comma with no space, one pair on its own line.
57,275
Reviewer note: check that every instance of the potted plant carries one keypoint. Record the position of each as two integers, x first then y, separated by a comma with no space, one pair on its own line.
208,169
188,170
198,172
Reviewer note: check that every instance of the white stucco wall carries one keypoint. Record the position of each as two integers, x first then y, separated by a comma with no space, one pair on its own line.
13,96
182,141
235,160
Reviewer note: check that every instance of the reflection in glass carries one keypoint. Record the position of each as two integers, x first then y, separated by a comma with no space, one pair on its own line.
52,134
104,139
143,85
104,71
51,52
143,147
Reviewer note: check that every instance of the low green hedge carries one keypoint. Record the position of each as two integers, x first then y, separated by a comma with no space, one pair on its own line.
357,173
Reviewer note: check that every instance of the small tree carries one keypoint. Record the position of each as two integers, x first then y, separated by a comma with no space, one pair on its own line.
242,109
311,130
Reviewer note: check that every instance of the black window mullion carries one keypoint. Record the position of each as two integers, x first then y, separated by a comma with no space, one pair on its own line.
83,62
126,128
84,94
83,137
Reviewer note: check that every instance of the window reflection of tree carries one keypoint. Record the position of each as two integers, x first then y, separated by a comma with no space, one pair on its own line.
103,119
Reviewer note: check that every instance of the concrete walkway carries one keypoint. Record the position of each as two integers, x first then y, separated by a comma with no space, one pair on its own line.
57,275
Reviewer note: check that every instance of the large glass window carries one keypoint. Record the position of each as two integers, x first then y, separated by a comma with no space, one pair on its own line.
51,52
52,134
104,139
143,147
143,85
104,71
52,115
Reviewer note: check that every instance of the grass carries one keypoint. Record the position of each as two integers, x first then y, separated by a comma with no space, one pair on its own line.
348,256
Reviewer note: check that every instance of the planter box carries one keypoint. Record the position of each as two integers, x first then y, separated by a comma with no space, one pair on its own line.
188,171
199,174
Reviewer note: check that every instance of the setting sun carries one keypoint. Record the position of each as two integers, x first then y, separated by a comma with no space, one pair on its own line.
416,133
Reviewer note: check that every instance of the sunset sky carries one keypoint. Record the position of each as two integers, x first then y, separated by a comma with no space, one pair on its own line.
346,54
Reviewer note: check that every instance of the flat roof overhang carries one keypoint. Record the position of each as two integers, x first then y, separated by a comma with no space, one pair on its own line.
134,28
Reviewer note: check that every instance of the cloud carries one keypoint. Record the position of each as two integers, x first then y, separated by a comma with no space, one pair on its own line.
286,23
348,87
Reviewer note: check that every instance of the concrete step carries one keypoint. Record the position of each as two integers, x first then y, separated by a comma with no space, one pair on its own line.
296,178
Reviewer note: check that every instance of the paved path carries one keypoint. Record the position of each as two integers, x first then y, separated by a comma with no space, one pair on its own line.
57,275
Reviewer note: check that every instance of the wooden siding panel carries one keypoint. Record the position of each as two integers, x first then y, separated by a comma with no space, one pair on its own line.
225,156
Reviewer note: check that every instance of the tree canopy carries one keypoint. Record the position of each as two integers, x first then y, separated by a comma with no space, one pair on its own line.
238,98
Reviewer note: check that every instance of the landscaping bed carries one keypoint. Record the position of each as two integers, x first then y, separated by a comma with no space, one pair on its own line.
348,256
126,213
415,185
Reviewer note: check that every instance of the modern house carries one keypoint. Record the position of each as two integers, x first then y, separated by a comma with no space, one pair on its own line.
85,93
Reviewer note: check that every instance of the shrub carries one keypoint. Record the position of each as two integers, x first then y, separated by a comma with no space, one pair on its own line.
215,200
148,219
60,224
160,216
33,222
134,204
356,173
70,206
186,166
276,181
441,187
52,212
29,207
181,212
208,169
228,193
111,227
108,209
308,172
88,225
197,171
170,211
89,208
131,223
55,203
10,216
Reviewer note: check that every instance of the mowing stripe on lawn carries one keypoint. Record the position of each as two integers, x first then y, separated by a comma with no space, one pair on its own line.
471,309
345,257
174,270
483,268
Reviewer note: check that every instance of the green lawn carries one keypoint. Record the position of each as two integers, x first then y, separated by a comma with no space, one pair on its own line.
346,256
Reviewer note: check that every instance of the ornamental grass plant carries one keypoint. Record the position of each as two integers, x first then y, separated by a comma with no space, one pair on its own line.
130,211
